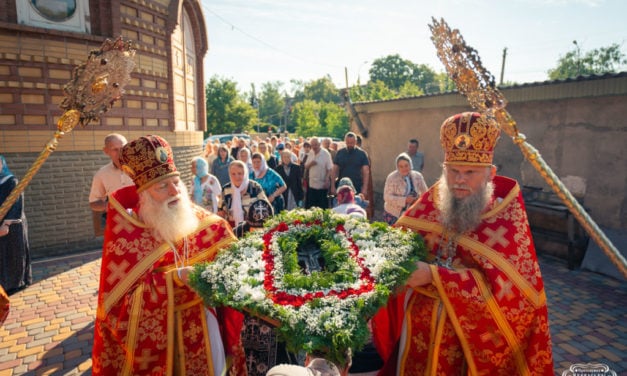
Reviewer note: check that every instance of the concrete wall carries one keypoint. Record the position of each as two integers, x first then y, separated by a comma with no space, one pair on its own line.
578,127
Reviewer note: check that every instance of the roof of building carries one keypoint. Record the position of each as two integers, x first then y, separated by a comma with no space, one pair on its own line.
578,79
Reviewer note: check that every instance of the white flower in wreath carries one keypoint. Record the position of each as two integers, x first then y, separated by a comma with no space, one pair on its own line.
316,308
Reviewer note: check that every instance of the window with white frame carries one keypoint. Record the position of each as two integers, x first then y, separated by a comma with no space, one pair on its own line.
68,15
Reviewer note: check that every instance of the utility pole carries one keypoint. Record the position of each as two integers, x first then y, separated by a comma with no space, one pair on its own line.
503,65
254,102
578,57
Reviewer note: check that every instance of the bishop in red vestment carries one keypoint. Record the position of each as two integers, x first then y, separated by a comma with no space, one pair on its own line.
479,306
4,305
149,322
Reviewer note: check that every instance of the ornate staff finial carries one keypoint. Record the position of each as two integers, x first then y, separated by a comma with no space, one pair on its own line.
464,66
99,82
95,86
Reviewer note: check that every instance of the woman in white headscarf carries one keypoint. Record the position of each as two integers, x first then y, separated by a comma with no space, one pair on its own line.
270,180
402,187
239,194
244,155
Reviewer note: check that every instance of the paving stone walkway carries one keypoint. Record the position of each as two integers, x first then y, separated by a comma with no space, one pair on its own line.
49,330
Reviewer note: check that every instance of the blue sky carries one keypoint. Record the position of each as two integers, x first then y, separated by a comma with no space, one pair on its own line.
257,41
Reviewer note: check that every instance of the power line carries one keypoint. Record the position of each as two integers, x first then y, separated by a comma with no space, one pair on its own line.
256,39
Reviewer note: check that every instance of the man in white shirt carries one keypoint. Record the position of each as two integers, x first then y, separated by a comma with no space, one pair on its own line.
318,166
108,178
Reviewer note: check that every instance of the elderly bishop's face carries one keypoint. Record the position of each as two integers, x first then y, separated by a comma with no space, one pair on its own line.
465,192
166,208
463,180
167,190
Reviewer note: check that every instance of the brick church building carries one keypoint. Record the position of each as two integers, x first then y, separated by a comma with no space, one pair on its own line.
41,42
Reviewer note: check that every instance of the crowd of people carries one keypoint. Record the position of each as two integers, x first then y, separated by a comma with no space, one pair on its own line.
308,172
476,305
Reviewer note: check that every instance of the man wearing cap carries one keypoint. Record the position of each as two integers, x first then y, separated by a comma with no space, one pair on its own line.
148,320
478,306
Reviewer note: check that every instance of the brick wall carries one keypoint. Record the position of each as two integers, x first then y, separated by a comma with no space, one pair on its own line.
56,200
35,64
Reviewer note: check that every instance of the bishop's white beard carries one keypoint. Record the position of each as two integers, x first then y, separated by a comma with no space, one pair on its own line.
168,223
462,214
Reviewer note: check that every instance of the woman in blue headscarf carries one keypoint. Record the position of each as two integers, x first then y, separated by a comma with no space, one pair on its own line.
206,189
15,268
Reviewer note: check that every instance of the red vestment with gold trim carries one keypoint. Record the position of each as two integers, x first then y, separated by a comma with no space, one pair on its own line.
148,321
487,315
4,305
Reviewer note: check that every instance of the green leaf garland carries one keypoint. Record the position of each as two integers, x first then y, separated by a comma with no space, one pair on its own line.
324,311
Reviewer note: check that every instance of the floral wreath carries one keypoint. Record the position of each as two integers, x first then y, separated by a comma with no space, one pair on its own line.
320,274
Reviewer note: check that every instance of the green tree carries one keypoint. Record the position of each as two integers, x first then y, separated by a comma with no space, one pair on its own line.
313,118
409,89
392,70
298,90
271,103
318,99
598,61
373,91
393,77
227,110
424,77
322,90
305,116
443,84
333,120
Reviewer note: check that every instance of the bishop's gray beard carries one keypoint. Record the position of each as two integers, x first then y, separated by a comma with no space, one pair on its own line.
462,215
168,224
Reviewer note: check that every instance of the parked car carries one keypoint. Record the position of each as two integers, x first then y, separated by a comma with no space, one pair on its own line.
223,138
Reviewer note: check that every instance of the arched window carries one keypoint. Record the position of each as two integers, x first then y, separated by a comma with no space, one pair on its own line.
185,77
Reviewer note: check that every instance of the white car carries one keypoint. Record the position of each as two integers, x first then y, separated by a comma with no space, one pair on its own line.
223,138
